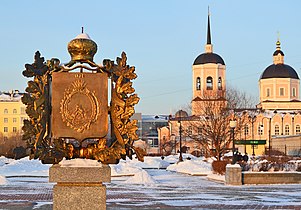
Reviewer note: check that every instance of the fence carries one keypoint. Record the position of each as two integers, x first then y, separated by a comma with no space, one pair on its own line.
286,150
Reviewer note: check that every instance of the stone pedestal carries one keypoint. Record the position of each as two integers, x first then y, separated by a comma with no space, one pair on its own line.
233,174
79,187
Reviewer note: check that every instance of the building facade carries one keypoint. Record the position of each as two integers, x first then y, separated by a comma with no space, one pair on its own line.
12,114
152,132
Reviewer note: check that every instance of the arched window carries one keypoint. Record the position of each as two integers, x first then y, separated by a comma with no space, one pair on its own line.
276,130
15,111
5,111
198,83
220,85
209,83
286,130
260,130
297,129
246,129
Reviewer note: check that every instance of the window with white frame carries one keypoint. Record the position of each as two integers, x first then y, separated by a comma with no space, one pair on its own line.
277,130
297,129
246,130
5,111
14,111
5,120
260,130
286,130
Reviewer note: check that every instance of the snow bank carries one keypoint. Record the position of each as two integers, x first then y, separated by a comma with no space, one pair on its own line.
25,167
175,158
151,162
192,167
123,168
3,180
4,161
142,177
78,162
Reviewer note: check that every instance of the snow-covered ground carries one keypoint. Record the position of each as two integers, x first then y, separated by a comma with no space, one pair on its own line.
155,183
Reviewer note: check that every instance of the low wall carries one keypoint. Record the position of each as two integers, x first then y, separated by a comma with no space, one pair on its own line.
271,177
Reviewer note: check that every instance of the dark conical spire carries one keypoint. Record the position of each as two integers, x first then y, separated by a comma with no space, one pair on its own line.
208,29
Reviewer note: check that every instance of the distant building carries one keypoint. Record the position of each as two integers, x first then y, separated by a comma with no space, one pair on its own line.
148,126
12,114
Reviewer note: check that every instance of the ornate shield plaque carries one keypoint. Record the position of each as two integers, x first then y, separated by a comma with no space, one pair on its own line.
79,105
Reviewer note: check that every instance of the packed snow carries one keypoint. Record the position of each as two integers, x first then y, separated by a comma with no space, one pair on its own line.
3,180
23,167
78,162
156,182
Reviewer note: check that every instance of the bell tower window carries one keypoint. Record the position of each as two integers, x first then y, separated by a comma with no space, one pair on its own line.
198,83
209,83
220,87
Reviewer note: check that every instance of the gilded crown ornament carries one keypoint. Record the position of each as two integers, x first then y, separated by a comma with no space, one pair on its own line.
82,48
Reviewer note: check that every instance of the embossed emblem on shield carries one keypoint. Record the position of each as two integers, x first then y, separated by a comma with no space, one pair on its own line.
79,105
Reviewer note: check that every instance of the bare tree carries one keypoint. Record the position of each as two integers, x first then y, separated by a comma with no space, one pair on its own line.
166,146
210,127
8,144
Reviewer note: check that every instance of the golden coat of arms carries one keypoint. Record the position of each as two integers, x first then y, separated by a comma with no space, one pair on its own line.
81,105
69,109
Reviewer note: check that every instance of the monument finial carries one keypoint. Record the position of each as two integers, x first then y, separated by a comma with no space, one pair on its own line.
82,29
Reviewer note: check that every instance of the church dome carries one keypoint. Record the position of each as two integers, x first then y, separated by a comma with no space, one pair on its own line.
279,71
181,114
208,58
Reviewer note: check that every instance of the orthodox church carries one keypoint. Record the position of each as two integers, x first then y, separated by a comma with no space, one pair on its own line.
274,124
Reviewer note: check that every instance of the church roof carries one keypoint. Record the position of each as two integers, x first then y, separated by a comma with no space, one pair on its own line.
208,58
279,71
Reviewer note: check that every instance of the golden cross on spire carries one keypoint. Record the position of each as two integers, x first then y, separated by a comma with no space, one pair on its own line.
278,40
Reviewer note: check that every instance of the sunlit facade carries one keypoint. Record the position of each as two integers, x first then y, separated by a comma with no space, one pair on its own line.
12,114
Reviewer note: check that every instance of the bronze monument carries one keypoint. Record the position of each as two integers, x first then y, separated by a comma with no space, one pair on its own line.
68,107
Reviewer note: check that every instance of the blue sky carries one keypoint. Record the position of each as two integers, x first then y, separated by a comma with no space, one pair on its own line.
161,38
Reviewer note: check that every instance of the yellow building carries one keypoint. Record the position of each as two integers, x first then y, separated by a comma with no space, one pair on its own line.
12,114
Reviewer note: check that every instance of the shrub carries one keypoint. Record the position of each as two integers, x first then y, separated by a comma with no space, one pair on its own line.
219,167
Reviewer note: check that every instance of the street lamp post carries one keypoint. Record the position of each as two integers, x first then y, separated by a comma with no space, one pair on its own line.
252,119
282,116
269,137
293,122
180,115
232,126
180,157
245,131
